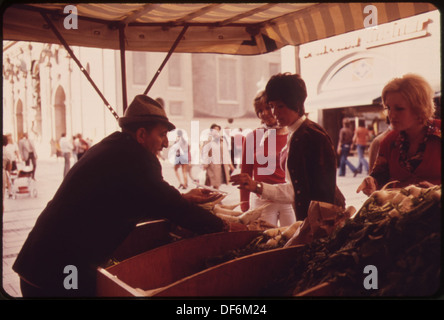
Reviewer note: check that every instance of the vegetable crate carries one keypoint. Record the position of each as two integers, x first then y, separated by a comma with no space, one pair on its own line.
144,273
146,236
248,276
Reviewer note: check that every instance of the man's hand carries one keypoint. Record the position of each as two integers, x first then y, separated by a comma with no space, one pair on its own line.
199,195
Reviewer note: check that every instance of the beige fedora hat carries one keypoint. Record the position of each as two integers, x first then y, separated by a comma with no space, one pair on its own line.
144,109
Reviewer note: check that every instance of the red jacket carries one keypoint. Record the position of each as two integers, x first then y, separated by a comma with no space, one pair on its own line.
388,166
250,150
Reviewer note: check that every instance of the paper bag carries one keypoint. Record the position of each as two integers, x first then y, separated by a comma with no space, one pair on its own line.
322,219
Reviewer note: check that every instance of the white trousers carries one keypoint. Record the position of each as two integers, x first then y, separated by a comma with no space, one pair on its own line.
278,214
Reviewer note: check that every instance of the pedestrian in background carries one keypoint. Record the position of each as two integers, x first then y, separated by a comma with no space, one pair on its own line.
82,146
12,153
6,183
360,139
182,159
66,147
28,153
344,146
216,159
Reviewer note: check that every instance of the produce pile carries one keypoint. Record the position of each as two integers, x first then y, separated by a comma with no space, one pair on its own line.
397,231
269,239
322,220
250,218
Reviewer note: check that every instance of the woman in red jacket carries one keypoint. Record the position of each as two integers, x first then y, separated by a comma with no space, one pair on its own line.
411,152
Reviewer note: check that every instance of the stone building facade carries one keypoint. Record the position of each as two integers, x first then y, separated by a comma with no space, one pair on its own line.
45,93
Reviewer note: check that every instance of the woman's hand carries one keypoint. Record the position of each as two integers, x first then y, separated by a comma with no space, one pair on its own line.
244,206
244,181
368,186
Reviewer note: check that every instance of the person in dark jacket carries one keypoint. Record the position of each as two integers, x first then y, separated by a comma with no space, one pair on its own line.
115,185
311,159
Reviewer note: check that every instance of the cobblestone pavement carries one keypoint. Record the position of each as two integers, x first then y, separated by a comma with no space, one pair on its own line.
19,215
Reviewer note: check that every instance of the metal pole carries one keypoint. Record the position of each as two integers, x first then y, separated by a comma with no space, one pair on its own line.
166,58
123,66
71,53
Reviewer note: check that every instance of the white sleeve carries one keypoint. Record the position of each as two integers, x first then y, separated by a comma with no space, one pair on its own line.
281,192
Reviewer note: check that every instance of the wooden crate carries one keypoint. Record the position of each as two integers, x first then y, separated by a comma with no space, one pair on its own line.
146,236
325,289
248,276
167,264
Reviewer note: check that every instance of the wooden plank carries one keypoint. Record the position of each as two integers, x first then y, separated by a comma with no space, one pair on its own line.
108,285
246,276
167,264
324,289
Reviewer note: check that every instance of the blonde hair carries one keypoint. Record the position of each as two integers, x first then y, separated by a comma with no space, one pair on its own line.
259,100
417,91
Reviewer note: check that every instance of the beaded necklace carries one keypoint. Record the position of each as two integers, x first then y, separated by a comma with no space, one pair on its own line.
411,163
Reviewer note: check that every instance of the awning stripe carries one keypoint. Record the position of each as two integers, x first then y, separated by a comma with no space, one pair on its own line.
336,14
406,9
294,32
282,23
357,11
421,7
392,10
307,20
327,19
347,17
319,24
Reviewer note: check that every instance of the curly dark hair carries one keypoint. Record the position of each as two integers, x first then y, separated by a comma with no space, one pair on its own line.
289,88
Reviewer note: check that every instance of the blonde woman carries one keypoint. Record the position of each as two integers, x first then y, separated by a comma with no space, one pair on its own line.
411,152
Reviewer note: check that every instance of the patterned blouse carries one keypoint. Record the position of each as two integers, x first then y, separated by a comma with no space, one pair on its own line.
394,163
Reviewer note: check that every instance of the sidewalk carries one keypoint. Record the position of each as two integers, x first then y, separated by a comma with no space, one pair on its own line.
19,215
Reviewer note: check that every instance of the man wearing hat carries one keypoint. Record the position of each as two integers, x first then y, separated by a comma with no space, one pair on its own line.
309,155
115,185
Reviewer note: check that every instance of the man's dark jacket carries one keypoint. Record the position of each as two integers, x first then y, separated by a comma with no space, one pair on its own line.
312,166
114,186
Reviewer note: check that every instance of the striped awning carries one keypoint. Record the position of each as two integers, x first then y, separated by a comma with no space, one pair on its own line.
231,28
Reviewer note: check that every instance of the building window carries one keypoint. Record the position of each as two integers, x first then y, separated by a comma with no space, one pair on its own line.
139,68
273,68
176,108
227,79
174,71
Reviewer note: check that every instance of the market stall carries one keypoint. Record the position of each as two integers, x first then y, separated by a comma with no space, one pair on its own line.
388,248
396,230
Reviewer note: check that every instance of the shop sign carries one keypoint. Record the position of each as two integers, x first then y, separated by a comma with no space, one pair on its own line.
379,35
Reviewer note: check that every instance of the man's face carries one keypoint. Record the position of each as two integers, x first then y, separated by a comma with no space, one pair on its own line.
284,115
154,139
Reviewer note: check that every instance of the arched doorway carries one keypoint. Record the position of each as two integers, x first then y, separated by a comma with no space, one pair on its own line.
19,119
59,112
